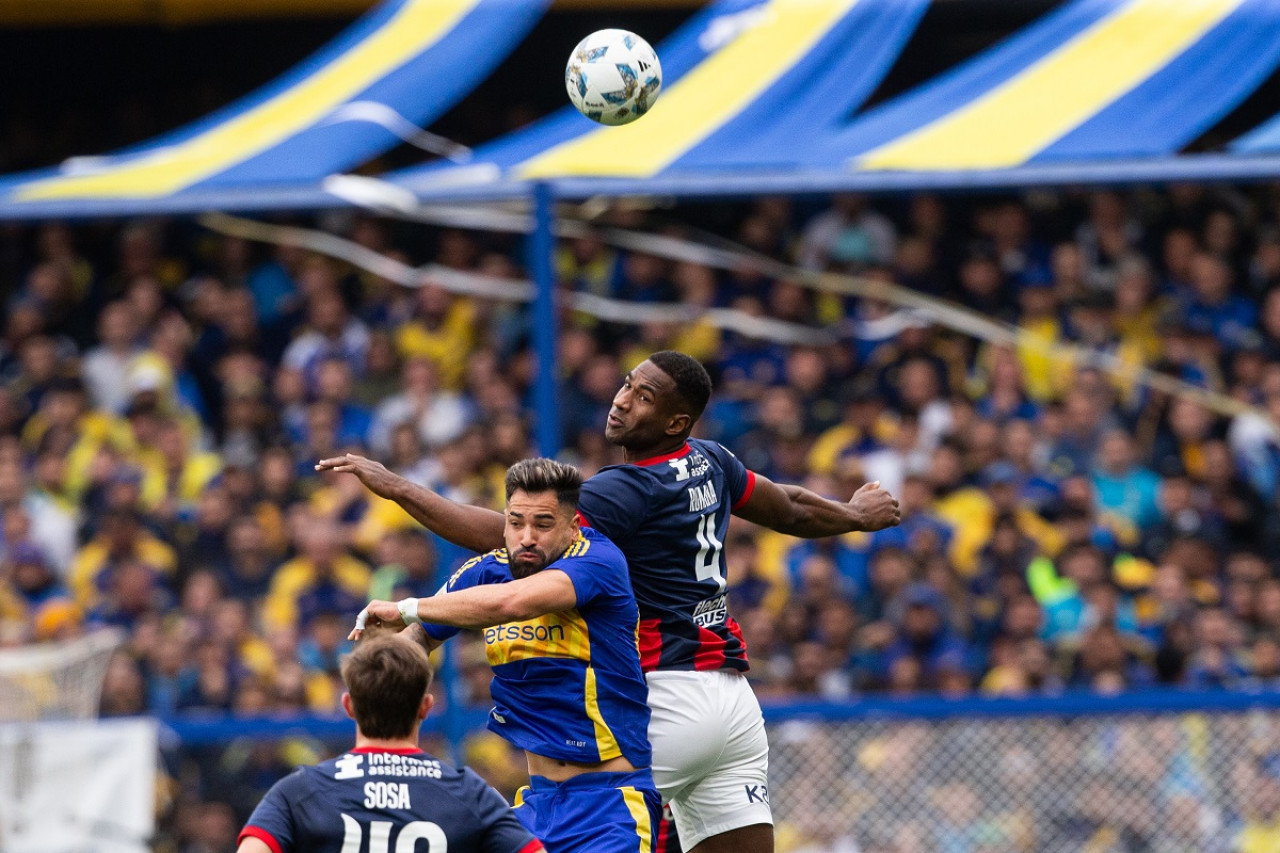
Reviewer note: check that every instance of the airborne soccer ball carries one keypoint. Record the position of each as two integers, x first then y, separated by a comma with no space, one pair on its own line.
613,76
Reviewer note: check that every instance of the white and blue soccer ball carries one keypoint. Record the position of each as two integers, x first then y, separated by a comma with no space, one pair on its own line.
613,77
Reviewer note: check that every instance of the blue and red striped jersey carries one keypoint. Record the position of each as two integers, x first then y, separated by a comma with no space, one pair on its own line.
669,515
380,800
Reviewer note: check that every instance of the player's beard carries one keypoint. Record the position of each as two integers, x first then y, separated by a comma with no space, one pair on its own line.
522,569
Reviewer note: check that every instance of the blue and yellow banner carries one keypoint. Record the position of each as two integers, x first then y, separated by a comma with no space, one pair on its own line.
1098,78
410,59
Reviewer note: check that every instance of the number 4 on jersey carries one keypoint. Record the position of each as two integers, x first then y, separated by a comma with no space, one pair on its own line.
707,565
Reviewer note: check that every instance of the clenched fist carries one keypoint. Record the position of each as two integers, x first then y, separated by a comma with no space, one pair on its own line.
875,508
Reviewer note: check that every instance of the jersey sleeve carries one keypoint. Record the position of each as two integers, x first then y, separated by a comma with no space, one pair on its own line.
740,480
500,830
272,821
614,502
599,573
469,574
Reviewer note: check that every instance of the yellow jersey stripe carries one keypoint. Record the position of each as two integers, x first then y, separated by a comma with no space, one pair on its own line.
707,97
168,170
640,814
605,741
1013,122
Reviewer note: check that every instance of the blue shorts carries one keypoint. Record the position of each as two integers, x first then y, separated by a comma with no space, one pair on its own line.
592,812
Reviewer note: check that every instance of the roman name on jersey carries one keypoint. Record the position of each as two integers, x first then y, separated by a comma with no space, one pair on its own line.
702,497
386,795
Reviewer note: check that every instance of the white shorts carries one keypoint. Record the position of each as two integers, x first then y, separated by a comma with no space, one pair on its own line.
710,753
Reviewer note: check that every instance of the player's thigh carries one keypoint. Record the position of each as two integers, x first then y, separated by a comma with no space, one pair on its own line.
603,819
734,795
685,731
746,839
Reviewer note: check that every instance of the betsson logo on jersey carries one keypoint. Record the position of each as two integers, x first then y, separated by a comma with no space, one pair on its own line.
562,635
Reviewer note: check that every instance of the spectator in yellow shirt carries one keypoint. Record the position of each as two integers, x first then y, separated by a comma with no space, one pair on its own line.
322,571
442,329
121,538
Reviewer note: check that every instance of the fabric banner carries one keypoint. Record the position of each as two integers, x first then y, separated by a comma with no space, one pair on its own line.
82,787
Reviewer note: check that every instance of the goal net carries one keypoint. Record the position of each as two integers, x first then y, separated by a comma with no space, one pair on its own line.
70,783
56,681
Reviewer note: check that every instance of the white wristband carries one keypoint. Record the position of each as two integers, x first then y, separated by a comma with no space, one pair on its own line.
408,608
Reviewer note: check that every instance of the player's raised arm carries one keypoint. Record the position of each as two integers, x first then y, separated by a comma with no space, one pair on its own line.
796,511
472,527
480,606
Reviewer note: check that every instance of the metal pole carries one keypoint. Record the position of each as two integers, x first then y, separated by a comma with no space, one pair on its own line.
454,723
542,271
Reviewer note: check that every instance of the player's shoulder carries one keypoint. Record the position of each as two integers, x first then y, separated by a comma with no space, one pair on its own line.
712,450
592,545
495,560
624,474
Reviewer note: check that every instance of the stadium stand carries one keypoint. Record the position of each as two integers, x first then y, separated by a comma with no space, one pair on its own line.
166,391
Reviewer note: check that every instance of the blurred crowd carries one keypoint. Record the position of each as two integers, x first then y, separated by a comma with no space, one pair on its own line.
165,393
1192,783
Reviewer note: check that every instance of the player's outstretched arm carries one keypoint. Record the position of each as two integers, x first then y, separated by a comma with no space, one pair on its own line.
472,527
796,511
548,591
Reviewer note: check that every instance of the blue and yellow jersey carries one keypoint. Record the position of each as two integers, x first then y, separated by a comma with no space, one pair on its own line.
568,685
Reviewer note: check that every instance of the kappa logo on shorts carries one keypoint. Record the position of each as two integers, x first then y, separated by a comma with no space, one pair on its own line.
757,793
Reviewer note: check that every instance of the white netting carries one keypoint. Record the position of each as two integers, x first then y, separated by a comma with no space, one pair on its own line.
1176,783
56,681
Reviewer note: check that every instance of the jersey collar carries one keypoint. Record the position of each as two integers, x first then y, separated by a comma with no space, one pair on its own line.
658,460
393,750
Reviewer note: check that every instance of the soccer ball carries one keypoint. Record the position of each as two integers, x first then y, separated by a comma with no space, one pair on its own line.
613,77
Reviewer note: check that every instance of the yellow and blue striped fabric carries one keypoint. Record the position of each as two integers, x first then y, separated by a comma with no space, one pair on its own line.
417,57
1096,79
742,79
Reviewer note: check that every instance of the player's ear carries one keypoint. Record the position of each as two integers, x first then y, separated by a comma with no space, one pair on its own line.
679,424
347,706
428,702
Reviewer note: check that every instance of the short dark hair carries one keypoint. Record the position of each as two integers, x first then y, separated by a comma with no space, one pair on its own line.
387,677
545,475
693,383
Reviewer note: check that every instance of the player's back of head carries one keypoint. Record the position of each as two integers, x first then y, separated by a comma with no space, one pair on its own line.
693,383
387,678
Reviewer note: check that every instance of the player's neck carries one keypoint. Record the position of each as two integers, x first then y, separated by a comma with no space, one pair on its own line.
666,448
397,744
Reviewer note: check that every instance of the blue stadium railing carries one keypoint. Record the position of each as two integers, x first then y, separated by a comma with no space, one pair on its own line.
212,729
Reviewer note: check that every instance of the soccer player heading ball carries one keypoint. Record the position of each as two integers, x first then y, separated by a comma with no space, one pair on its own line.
667,507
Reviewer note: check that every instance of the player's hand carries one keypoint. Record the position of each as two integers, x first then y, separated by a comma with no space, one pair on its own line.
875,508
377,614
374,475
